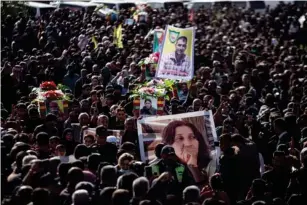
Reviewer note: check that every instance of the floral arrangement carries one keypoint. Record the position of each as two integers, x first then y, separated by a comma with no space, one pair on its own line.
48,90
152,59
53,95
145,92
62,87
47,85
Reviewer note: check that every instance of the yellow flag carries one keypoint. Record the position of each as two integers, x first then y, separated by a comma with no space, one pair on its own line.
115,36
95,42
119,36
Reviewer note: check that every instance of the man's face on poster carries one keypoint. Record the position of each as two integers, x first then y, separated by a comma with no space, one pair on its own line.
54,108
181,46
147,104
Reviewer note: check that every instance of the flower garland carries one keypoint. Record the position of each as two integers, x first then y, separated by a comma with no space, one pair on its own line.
53,95
154,88
47,85
145,92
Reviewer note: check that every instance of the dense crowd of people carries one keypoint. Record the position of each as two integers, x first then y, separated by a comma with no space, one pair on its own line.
250,70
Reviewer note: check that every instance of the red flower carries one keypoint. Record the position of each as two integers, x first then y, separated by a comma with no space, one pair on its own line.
48,85
53,95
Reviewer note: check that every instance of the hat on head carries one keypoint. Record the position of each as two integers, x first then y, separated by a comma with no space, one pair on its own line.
112,139
167,150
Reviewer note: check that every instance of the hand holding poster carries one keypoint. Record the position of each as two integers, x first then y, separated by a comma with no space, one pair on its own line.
177,56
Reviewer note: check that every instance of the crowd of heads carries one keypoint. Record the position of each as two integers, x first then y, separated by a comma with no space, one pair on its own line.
250,70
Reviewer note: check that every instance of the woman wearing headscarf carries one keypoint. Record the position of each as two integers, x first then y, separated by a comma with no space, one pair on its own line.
69,141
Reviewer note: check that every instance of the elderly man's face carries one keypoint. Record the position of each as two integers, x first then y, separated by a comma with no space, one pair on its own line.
181,46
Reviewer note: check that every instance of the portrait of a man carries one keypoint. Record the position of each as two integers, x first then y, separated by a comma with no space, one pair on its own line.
54,108
176,63
148,109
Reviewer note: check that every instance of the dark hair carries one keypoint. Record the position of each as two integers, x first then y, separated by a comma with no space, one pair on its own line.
74,176
148,100
55,138
121,197
280,124
108,175
63,171
40,196
168,137
85,86
42,139
21,137
81,151
89,136
216,182
158,149
101,131
258,187
89,187
105,196
24,193
125,181
68,130
78,163
185,39
279,154
93,161
50,117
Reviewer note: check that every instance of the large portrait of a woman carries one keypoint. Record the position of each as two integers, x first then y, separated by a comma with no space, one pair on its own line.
189,144
191,134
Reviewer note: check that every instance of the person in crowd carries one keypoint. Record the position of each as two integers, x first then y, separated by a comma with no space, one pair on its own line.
89,140
124,162
106,150
170,163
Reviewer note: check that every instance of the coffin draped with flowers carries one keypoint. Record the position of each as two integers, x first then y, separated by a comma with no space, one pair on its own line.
158,89
50,98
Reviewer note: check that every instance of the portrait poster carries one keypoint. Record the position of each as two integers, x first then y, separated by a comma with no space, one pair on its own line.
148,106
117,133
57,107
197,126
177,56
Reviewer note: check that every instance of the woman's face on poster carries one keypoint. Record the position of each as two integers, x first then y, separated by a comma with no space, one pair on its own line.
185,144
